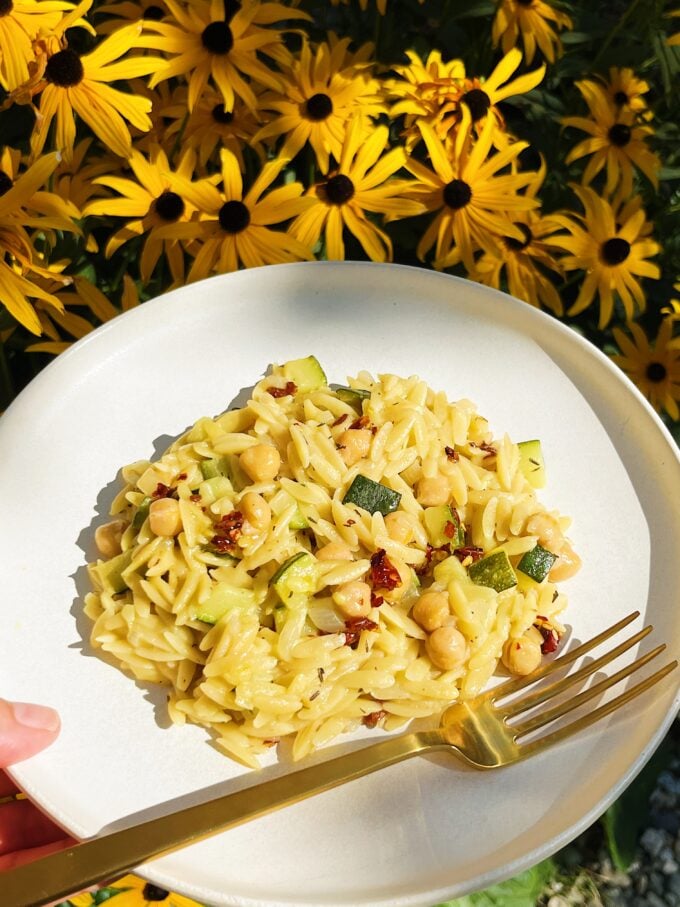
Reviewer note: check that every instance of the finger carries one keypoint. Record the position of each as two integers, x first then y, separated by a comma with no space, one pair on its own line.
22,825
25,729
19,857
7,787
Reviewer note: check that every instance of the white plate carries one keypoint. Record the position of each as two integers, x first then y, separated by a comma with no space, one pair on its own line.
416,833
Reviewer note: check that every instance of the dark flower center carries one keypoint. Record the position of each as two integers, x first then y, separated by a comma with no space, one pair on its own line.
656,372
217,38
234,217
621,98
615,250
319,106
517,245
6,7
524,2
339,189
6,182
154,893
231,7
221,115
169,206
155,13
457,194
64,68
478,103
619,134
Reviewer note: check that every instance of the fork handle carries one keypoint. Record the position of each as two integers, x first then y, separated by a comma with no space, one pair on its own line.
61,874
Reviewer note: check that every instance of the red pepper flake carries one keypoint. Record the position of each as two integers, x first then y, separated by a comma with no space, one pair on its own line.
361,422
451,453
489,449
339,420
383,574
229,528
551,640
373,719
196,498
271,741
162,491
469,551
353,628
433,554
286,391
350,522
450,529
181,477
376,600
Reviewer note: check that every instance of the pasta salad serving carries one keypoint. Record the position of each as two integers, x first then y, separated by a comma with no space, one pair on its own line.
326,557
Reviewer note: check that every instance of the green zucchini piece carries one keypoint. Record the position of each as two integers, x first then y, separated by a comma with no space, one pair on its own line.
531,462
354,396
222,599
494,571
443,526
210,469
537,563
110,572
141,513
371,496
299,520
306,374
213,489
296,577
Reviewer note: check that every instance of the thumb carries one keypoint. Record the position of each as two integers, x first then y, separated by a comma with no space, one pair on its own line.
25,729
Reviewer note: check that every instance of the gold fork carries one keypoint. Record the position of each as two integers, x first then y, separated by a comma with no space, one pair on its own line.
479,731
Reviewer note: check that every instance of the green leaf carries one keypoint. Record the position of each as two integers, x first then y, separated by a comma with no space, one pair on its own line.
627,816
522,891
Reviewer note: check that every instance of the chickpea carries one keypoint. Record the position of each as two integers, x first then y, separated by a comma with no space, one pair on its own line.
399,527
164,517
255,510
334,551
261,462
567,564
107,538
353,599
431,610
354,445
446,648
548,530
434,491
522,655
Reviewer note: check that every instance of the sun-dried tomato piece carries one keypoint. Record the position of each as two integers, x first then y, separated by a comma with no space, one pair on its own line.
383,574
286,391
228,529
551,639
450,529
376,600
373,719
469,551
353,628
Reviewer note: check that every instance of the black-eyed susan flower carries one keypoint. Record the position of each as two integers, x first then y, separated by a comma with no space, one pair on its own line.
234,225
210,125
74,179
322,89
131,891
210,40
72,84
150,201
362,182
42,202
617,142
415,92
472,203
653,366
110,16
525,266
625,89
613,251
535,22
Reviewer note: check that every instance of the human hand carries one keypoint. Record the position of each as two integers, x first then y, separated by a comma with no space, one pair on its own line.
25,832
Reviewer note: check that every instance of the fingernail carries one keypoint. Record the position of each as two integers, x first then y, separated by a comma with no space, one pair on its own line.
38,717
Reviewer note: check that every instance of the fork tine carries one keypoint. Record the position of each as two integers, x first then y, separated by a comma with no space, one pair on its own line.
559,686
512,686
529,749
563,708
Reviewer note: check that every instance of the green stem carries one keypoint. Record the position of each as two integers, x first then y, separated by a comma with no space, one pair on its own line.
180,136
614,32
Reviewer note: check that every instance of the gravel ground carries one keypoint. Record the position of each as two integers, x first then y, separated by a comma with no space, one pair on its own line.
588,876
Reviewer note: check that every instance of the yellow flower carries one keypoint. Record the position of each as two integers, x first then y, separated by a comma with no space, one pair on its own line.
20,22
321,91
207,42
74,84
210,125
118,12
612,249
472,201
531,21
673,40
673,308
654,367
524,263
234,226
362,182
135,892
625,90
74,179
616,142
